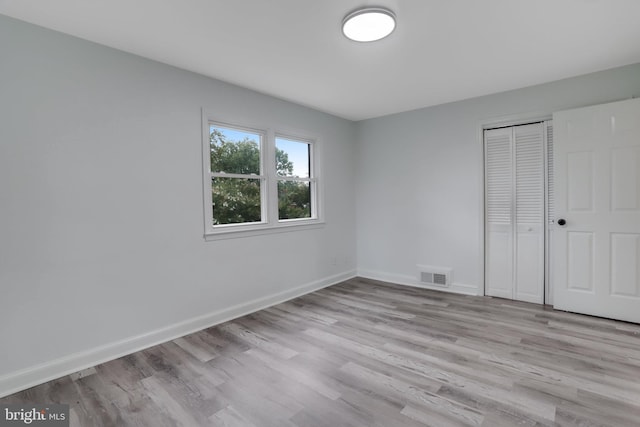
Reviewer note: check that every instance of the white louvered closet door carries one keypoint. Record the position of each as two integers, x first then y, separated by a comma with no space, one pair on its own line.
515,193
529,224
550,174
498,213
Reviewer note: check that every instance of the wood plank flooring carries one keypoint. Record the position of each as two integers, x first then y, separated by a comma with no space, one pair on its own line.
366,353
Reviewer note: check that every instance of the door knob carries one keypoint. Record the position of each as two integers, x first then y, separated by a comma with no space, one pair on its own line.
562,222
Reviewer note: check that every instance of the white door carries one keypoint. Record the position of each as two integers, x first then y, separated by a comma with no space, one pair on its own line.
597,197
514,189
498,212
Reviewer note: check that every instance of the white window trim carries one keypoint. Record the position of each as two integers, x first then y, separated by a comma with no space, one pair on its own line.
269,183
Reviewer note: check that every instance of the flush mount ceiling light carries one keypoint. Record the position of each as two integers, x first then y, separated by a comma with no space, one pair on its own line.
369,24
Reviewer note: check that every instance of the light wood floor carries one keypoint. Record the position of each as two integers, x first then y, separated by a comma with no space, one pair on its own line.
365,353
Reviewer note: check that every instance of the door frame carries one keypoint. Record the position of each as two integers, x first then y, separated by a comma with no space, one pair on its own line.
498,122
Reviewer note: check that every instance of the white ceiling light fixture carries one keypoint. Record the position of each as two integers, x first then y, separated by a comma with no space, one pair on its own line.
369,24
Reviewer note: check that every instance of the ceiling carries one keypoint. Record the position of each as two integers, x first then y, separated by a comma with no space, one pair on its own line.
441,50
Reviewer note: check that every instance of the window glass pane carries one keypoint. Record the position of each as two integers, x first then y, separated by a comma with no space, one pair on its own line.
294,199
234,151
235,200
292,158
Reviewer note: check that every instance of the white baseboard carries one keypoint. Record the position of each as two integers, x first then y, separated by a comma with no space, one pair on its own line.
401,279
38,374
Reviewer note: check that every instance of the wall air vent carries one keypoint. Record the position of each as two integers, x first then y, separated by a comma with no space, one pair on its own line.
438,276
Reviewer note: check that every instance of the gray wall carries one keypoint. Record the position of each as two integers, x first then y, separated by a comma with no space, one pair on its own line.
419,176
101,231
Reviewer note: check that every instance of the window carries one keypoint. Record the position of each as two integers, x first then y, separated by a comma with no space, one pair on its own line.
236,178
257,180
295,182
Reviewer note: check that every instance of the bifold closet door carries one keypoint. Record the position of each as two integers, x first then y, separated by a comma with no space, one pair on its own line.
514,229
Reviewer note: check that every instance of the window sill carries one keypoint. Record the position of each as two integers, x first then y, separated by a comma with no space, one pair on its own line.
258,230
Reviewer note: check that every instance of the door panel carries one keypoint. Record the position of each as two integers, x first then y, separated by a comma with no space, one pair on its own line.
580,261
529,228
597,191
625,179
498,229
625,264
580,181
